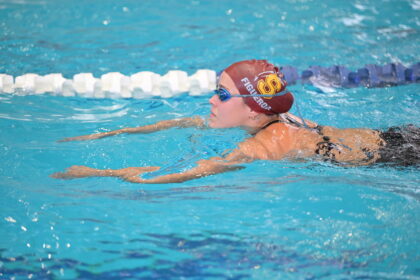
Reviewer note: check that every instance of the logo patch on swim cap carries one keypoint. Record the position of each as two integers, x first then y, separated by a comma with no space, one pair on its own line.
270,85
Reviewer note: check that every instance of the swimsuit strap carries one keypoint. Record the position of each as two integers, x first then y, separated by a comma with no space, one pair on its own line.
267,125
270,123
318,129
300,116
289,120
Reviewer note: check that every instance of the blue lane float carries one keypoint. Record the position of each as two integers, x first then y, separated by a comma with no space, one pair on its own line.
148,84
392,74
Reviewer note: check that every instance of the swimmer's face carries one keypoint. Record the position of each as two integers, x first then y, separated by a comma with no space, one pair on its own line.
231,113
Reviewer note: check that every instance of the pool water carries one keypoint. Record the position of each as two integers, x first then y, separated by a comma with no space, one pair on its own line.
270,220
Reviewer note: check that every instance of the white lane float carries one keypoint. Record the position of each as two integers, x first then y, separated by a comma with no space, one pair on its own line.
111,85
149,84
6,83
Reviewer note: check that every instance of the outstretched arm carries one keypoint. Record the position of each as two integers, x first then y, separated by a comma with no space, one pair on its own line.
204,168
185,122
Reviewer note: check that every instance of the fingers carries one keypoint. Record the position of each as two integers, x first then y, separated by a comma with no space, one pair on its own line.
76,171
58,175
64,140
80,171
77,138
85,137
63,175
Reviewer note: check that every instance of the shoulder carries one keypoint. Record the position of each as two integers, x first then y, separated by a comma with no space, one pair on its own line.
276,132
273,142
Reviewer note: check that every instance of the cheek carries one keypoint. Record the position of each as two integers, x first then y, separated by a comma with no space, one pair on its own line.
230,115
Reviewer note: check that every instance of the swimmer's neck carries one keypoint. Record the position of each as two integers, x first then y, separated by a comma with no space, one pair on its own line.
253,125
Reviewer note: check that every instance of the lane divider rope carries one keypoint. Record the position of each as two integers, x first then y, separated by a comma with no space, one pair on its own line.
148,84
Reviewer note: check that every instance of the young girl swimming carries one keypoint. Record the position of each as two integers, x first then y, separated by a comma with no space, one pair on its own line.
252,94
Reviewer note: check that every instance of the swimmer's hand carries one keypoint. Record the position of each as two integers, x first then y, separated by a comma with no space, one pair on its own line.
80,171
185,122
86,137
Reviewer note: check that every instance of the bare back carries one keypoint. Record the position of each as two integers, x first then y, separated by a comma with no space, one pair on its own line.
281,140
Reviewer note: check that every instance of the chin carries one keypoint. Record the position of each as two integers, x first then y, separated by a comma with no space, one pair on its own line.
219,125
214,124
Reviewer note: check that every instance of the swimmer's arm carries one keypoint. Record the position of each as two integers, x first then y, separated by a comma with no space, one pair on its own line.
131,174
185,122
204,168
247,151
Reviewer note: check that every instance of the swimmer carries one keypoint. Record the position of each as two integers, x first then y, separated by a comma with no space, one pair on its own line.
252,95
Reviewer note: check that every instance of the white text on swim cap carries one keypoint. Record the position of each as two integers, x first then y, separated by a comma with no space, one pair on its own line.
250,88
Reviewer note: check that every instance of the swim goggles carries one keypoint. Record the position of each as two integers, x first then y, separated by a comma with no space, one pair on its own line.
225,95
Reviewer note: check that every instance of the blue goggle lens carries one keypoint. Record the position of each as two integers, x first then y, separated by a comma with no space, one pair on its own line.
223,94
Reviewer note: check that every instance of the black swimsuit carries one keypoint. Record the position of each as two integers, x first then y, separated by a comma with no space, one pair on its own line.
402,146
325,147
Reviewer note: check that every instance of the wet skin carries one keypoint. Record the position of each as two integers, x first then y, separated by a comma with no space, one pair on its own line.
278,141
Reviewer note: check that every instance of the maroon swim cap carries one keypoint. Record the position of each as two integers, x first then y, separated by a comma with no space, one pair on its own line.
259,77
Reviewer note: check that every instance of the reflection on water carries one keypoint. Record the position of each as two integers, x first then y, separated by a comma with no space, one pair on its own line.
205,255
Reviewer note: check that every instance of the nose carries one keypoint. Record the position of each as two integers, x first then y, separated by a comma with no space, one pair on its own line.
213,100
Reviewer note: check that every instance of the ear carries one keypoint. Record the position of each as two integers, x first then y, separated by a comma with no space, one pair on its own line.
252,114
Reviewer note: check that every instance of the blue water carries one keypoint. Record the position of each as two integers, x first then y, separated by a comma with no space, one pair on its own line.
271,220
